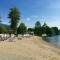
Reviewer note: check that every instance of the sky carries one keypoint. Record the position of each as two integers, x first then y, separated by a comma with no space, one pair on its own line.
33,10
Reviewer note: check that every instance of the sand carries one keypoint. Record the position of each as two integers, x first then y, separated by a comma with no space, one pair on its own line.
32,48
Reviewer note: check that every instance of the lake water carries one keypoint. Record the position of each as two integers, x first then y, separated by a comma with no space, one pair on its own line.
54,40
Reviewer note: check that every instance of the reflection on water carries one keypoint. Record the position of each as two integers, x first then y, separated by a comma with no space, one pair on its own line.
54,40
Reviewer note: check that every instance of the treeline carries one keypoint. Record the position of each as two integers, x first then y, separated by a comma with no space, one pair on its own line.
45,29
14,18
38,30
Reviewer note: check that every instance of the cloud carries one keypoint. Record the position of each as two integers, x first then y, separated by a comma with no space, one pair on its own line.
32,18
28,19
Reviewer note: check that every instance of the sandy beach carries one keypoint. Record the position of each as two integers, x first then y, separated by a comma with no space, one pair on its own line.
32,48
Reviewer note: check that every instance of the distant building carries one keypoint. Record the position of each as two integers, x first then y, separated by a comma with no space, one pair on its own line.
44,35
31,33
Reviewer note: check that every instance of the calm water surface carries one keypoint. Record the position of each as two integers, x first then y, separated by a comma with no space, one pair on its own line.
54,40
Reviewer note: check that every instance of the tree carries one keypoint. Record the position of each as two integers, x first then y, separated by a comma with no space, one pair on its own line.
59,31
44,25
37,24
22,29
47,30
0,19
37,29
3,29
44,28
56,31
14,16
30,30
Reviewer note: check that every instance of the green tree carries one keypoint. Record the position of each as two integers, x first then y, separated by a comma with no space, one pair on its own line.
37,29
0,20
47,30
14,16
44,25
56,31
3,29
22,29
37,24
30,30
59,31
44,28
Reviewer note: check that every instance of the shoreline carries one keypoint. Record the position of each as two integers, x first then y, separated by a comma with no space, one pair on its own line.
54,45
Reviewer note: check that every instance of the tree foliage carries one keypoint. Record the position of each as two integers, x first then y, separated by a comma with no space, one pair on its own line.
30,29
44,28
14,16
56,31
22,29
37,24
37,29
49,31
3,29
